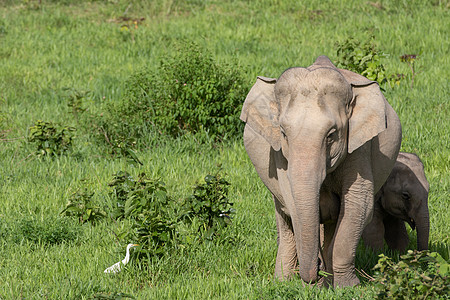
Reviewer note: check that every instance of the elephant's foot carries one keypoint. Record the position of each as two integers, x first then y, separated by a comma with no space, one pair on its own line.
286,272
345,279
326,281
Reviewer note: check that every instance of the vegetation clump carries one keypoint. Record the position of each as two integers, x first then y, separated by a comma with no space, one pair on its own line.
418,275
190,92
210,206
157,223
363,58
50,139
82,207
151,211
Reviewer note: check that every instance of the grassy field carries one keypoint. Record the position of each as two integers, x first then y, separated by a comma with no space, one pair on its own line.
48,47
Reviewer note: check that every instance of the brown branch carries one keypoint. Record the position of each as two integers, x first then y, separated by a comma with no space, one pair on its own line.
365,275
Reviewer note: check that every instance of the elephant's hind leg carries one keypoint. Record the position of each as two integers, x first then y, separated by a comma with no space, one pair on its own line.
287,260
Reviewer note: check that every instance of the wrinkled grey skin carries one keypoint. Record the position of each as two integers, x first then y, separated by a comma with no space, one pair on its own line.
403,198
315,135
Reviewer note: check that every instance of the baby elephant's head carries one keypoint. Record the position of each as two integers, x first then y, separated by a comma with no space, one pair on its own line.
405,195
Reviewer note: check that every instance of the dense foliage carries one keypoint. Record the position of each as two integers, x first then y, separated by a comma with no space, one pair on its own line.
156,221
210,206
362,57
189,92
49,139
418,275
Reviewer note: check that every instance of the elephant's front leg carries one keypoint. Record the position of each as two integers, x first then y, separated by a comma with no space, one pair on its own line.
396,235
327,251
355,212
286,261
329,213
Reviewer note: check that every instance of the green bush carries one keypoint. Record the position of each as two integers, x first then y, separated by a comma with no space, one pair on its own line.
50,140
210,206
189,92
159,223
133,197
363,58
82,207
418,275
150,210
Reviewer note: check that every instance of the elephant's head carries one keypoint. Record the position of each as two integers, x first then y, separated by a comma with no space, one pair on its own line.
405,195
315,116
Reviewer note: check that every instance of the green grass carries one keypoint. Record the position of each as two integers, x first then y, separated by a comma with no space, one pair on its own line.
80,44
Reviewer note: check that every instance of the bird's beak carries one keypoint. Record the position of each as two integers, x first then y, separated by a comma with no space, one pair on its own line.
135,245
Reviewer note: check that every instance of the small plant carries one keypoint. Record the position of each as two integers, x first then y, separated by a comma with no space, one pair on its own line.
81,206
49,139
418,275
151,211
136,196
410,59
395,79
209,204
120,130
122,184
363,58
75,101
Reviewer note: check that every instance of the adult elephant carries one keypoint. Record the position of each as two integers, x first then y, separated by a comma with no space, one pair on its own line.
316,135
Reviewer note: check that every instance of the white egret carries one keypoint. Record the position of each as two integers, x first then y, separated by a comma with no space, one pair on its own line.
117,266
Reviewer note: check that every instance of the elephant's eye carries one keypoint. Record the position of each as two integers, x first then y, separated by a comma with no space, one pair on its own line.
283,133
406,195
332,135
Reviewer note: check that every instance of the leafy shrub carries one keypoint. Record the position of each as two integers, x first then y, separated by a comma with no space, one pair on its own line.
200,95
49,139
190,92
363,58
418,275
210,206
157,224
82,207
50,231
151,211
133,197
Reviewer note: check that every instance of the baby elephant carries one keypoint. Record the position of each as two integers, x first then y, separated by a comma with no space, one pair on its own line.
403,198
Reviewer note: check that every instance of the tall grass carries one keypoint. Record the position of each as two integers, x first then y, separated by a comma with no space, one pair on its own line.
48,47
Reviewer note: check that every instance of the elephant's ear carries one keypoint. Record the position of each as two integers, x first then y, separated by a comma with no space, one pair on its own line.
261,110
367,110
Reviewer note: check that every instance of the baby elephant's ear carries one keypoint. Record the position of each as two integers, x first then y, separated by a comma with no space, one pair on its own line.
367,110
261,111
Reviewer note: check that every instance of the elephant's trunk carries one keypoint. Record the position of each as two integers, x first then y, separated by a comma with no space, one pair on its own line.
306,176
422,221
